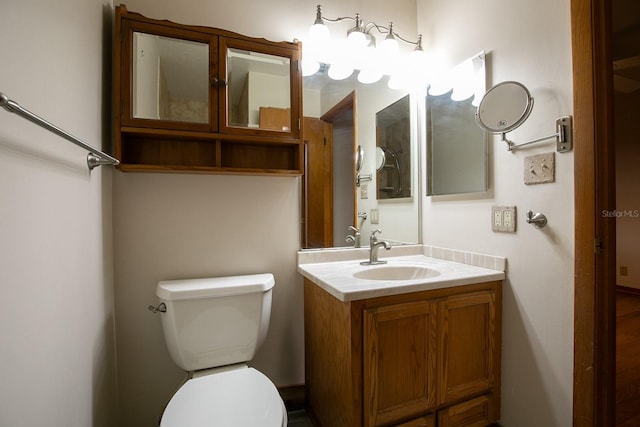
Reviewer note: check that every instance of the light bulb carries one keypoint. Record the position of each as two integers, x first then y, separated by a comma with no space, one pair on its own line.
318,33
389,46
463,81
369,75
309,67
440,85
397,82
356,39
339,71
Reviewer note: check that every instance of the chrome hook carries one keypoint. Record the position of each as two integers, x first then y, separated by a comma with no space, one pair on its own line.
537,219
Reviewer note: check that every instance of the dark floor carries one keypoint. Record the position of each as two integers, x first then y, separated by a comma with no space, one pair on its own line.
627,360
298,419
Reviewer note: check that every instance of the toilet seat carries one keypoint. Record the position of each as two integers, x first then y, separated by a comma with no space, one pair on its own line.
242,397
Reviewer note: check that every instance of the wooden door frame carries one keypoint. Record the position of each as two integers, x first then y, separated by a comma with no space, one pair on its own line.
594,180
345,104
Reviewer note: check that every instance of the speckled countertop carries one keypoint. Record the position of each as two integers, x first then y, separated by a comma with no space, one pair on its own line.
333,270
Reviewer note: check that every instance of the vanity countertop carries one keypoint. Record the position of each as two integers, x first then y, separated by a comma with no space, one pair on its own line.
337,270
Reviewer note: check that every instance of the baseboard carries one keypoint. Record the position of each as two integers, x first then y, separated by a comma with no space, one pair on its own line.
628,290
293,397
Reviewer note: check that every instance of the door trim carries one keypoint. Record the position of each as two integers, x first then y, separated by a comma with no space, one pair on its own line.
594,191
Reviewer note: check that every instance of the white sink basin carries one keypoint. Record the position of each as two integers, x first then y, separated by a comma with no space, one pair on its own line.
396,272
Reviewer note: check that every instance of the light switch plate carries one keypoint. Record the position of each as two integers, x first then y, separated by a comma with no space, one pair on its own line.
540,169
374,216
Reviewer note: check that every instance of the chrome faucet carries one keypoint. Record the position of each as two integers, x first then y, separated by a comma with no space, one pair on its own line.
375,245
355,237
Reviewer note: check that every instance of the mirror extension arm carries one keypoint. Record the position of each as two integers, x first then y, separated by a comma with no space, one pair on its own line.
563,136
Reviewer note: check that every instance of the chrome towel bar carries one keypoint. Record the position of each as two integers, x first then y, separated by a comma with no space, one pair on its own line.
94,158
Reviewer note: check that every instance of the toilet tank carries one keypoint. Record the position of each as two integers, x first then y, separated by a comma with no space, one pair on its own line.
216,321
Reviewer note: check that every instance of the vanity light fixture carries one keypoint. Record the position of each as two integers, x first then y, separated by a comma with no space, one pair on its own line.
358,51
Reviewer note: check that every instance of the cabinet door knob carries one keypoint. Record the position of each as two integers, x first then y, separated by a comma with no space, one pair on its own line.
217,82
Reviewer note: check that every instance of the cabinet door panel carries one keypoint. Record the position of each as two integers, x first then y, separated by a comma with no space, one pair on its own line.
258,76
166,77
399,362
466,345
473,413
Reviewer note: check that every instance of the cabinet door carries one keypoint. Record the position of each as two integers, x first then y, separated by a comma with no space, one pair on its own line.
262,94
399,362
168,77
466,345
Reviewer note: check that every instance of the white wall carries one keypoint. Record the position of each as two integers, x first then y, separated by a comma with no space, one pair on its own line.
528,41
57,355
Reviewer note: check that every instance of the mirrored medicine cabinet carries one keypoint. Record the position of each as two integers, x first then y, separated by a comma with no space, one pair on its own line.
193,98
457,148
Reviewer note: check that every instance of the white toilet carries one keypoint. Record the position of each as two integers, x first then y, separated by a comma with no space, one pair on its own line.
213,327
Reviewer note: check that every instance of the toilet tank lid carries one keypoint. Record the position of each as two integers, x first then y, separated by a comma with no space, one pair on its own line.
171,290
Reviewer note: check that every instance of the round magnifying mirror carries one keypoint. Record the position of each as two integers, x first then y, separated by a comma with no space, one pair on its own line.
380,158
359,157
504,107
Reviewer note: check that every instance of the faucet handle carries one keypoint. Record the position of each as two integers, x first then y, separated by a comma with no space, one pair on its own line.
373,237
354,229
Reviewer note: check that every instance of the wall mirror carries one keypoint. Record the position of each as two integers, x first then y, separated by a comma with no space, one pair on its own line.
457,159
170,79
393,150
343,113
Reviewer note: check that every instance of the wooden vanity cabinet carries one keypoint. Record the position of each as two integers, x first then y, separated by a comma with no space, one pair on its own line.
429,358
199,99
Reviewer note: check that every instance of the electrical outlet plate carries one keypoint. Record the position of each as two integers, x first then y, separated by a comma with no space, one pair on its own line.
540,169
503,219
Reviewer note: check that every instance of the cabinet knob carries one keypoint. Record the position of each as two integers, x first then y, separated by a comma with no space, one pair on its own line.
217,82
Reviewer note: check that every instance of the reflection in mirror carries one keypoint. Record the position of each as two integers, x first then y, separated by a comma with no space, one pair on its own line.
170,79
344,116
393,138
381,159
359,157
456,146
259,90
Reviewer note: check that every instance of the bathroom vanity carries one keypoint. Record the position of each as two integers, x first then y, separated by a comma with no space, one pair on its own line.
414,342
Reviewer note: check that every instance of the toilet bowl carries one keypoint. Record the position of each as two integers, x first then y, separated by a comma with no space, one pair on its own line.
237,397
212,328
